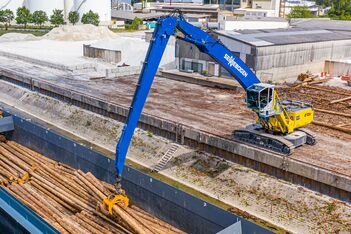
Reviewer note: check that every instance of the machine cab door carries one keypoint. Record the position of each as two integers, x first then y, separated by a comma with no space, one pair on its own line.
260,99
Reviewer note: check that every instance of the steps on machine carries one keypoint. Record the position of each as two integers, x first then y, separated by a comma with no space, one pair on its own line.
168,155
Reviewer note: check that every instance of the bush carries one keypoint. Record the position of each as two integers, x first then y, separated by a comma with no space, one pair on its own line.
300,12
39,18
6,16
23,16
73,17
91,18
57,17
135,24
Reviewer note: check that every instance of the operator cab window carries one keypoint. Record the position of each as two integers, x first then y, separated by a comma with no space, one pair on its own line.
266,96
252,99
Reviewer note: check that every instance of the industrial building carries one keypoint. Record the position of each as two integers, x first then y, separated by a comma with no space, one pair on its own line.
229,23
273,54
271,8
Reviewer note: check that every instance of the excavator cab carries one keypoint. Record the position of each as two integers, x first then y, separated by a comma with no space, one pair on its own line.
260,98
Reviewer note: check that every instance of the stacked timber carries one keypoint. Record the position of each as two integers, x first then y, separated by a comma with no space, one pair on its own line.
69,199
310,79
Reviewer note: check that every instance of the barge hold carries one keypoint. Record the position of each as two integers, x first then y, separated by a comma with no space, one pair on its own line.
66,197
66,185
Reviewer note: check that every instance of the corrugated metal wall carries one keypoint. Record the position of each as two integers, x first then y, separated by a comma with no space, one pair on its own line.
298,54
286,62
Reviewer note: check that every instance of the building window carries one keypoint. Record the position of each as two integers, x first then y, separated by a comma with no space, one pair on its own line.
191,66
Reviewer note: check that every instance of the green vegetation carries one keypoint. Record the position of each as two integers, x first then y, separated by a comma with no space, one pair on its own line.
34,32
23,16
117,30
330,207
91,18
135,24
300,12
57,17
39,18
73,17
6,16
340,9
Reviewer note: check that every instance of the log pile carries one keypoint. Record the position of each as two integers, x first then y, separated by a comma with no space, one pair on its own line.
69,199
309,79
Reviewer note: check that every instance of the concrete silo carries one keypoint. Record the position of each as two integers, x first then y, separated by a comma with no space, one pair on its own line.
48,5
11,4
68,6
102,7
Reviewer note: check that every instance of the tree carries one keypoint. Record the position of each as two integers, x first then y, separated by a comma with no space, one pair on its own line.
300,12
39,18
23,16
135,24
91,18
6,16
57,17
73,17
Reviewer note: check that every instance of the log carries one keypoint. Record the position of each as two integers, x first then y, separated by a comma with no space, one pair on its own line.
76,179
51,207
64,196
25,199
343,125
332,112
6,170
57,199
66,184
92,179
345,130
24,153
100,228
14,164
85,225
104,221
340,100
27,160
134,224
327,90
30,152
73,227
146,216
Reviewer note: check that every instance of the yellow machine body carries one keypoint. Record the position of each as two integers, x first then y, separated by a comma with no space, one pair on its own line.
275,115
289,116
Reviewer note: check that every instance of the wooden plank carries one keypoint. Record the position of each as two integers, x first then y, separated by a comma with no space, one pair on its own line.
340,100
332,112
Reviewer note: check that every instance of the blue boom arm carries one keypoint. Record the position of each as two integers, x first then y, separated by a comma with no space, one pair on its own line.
167,27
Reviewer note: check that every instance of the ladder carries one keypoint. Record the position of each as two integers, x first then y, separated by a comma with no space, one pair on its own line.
165,158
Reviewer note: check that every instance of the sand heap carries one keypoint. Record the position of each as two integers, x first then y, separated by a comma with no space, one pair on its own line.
9,37
86,32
